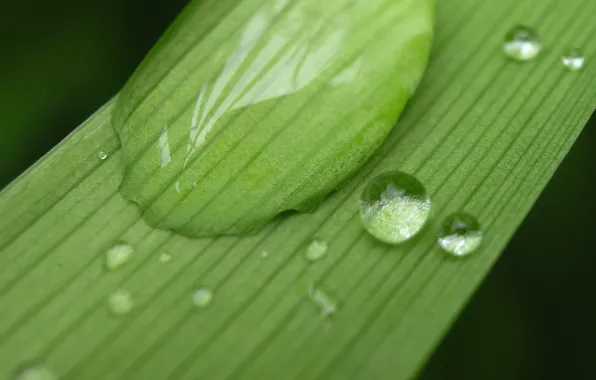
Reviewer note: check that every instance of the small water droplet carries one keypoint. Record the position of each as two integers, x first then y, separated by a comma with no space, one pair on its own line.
327,305
264,254
36,373
118,255
165,257
460,234
394,207
202,298
573,60
316,250
102,155
522,43
120,302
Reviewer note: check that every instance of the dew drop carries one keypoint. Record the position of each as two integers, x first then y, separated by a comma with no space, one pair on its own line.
316,250
460,234
165,257
118,255
522,43
394,207
202,298
573,60
102,155
323,301
36,373
264,254
120,302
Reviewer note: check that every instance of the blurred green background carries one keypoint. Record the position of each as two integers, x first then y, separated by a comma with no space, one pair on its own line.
533,318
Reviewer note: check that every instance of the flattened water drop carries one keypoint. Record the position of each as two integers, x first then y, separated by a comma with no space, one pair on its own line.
202,298
522,43
165,257
118,255
316,250
36,373
394,207
325,303
460,234
102,155
254,129
573,60
120,302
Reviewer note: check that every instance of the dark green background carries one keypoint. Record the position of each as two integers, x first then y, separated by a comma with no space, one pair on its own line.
533,318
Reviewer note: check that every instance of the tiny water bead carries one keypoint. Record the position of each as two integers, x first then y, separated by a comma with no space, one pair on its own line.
573,60
120,302
394,207
36,373
316,250
202,298
102,155
522,43
165,257
118,255
325,303
460,234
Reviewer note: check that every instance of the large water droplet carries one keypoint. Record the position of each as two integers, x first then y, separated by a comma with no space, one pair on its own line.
522,43
460,234
573,60
120,302
118,255
316,250
36,373
202,298
394,207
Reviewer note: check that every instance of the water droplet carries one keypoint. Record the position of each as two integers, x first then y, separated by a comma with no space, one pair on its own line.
394,207
102,155
316,250
202,298
118,255
165,257
264,254
460,234
573,60
36,373
120,302
522,43
327,305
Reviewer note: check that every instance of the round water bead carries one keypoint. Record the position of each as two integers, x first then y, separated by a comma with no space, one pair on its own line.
573,60
201,298
522,43
460,234
394,207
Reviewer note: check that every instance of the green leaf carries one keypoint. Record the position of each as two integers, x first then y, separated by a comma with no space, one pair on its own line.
483,134
267,111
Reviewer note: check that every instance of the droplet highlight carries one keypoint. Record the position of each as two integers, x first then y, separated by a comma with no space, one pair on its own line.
573,60
460,234
522,43
36,373
202,298
316,250
118,256
394,207
120,302
165,257
102,155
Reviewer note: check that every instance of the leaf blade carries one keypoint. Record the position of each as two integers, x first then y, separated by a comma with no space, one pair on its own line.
478,141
